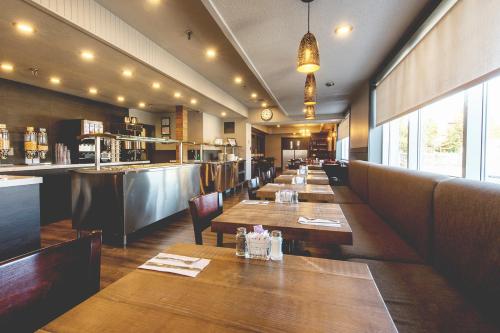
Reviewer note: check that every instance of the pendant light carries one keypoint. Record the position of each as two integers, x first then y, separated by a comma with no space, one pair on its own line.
310,112
310,90
308,56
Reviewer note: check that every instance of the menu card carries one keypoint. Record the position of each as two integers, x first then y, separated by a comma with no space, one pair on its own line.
173,263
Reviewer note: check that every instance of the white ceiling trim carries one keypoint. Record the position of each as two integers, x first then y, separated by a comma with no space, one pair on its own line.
99,22
210,6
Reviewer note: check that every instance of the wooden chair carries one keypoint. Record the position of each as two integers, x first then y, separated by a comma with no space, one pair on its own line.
204,208
253,186
37,287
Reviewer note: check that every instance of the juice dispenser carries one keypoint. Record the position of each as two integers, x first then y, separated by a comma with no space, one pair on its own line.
42,143
30,146
4,142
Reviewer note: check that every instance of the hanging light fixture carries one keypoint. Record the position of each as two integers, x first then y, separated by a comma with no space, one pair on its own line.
308,57
310,90
310,112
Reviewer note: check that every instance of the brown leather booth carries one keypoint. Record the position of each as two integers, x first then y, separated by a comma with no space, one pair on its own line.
432,243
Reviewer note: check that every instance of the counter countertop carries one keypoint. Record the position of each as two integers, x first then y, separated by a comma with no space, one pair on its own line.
9,181
15,168
133,168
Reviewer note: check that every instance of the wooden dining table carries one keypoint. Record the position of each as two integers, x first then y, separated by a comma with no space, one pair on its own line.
311,179
284,217
309,172
307,192
233,294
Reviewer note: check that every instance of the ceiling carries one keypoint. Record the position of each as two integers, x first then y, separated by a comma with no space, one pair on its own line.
267,35
55,50
166,22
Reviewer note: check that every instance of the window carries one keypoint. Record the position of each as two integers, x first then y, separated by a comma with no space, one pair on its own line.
398,142
343,149
457,136
492,137
442,136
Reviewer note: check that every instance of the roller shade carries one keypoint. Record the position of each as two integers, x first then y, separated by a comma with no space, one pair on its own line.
461,49
343,129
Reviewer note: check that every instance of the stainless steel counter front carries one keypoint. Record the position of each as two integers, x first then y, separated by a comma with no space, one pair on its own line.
122,200
42,166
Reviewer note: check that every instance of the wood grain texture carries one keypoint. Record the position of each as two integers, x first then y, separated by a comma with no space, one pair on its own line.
284,217
310,172
308,192
311,179
236,295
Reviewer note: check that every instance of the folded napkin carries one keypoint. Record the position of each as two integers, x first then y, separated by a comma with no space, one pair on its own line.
321,222
173,263
254,202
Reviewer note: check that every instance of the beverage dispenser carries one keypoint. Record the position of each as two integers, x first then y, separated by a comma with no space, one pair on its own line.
4,142
42,143
30,146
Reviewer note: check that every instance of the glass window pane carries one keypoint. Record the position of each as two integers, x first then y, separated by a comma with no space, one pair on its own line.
442,136
492,162
398,146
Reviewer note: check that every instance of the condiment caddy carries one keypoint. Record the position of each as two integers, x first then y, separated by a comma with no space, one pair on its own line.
259,244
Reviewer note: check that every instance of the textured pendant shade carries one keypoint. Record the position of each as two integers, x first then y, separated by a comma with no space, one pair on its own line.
310,90
308,55
310,112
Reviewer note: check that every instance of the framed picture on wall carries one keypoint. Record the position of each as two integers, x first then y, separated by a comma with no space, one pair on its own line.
229,127
165,127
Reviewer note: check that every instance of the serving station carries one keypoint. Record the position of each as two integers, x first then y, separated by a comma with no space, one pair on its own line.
120,200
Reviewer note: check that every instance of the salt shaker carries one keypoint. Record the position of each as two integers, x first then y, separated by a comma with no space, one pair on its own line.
241,242
276,245
277,196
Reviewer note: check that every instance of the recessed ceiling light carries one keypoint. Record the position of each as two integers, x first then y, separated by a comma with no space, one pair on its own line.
238,80
127,73
254,95
93,91
156,85
264,105
304,110
294,133
120,98
55,80
7,67
177,94
24,28
194,101
211,53
223,114
154,2
87,55
343,29
142,104
278,126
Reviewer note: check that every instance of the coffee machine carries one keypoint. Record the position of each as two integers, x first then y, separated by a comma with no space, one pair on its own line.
131,150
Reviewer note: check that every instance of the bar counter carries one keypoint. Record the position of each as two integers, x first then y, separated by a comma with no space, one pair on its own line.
123,199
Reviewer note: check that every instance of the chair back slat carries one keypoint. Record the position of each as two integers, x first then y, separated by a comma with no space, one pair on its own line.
37,287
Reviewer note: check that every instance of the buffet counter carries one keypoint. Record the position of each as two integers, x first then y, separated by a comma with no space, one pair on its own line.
49,166
120,200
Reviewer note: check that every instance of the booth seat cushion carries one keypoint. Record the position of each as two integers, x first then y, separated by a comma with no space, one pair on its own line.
374,239
467,238
358,178
404,199
421,300
344,195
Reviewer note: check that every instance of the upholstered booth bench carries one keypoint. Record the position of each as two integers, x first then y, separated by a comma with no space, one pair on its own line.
432,243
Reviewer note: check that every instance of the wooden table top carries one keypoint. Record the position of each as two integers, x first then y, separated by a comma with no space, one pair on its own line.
298,294
310,172
311,179
308,192
284,217
314,167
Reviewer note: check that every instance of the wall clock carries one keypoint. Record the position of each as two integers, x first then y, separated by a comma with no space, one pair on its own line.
266,114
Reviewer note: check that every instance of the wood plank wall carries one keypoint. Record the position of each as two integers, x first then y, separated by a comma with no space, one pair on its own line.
23,105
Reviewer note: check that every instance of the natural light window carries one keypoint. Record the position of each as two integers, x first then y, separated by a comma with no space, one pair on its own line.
442,136
492,145
398,142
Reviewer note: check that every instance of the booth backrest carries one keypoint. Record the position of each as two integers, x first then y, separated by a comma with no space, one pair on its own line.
467,238
404,199
358,178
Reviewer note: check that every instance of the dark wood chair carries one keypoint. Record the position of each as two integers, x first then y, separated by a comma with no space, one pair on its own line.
204,208
253,186
37,287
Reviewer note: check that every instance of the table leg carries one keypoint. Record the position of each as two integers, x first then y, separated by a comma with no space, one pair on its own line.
220,238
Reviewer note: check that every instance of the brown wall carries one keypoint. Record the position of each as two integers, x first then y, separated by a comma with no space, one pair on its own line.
23,105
